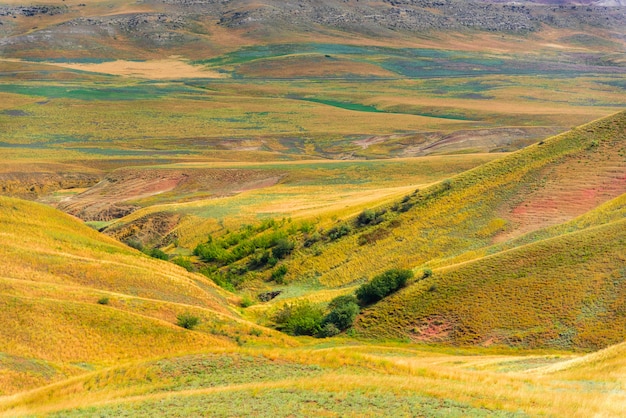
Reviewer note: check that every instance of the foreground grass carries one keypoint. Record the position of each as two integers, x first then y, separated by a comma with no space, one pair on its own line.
348,380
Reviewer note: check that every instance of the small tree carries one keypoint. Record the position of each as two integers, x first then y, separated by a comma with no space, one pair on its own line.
300,318
187,320
283,248
383,285
343,311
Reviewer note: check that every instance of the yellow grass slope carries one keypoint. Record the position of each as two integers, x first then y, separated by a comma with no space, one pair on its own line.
566,292
540,186
72,300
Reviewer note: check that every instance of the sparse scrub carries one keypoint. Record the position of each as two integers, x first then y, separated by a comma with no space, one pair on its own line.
134,243
183,262
338,231
246,302
373,236
187,320
278,275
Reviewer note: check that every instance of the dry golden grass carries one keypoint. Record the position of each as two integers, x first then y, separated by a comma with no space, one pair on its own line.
499,382
70,295
154,69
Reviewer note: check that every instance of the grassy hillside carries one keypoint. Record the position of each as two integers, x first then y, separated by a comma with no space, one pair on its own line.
469,212
74,300
564,292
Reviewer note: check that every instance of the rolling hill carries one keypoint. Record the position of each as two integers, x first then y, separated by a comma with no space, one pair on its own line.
543,185
74,300
278,154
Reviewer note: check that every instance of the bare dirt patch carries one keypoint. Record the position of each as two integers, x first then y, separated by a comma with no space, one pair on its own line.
153,230
126,190
34,180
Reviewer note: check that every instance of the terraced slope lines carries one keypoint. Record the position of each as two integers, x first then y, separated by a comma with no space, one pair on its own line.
73,300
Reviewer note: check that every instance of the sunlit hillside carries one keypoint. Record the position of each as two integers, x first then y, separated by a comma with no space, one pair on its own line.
341,208
74,300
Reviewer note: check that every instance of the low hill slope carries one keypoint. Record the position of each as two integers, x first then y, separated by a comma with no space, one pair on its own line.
346,379
475,209
604,365
566,292
72,300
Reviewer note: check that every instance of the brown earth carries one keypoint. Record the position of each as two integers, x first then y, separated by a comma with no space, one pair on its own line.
125,190
153,230
504,139
31,181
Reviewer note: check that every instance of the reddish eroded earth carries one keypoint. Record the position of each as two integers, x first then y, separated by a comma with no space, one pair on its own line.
122,191
567,190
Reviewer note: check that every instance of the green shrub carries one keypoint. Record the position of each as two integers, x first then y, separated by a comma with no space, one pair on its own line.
157,253
343,311
283,248
338,232
329,330
219,278
366,217
211,251
246,302
370,217
187,321
103,301
300,318
278,275
427,273
184,262
383,285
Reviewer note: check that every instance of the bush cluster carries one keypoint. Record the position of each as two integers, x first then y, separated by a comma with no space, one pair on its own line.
338,231
187,320
267,248
304,318
300,318
383,285
157,253
370,217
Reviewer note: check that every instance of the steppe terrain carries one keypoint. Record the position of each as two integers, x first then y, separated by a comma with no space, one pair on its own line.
312,208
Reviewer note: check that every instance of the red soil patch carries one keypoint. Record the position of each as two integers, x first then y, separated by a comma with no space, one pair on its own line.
433,329
567,190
